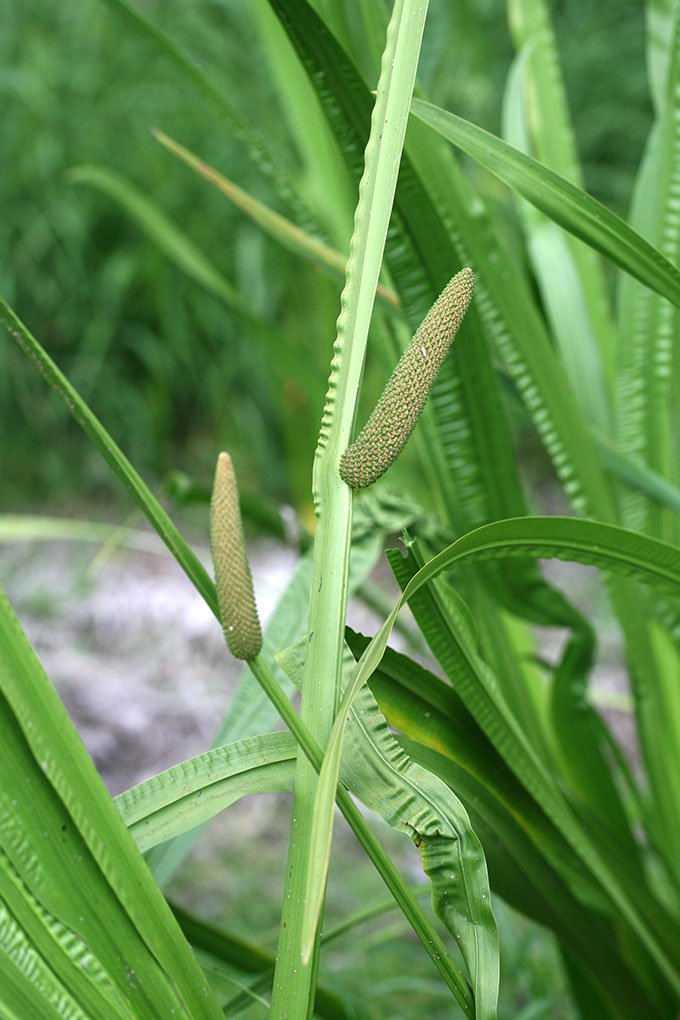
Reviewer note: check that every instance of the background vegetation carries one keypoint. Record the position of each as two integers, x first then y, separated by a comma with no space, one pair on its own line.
172,369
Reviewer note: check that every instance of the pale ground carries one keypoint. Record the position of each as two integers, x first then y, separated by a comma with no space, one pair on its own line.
140,662
136,655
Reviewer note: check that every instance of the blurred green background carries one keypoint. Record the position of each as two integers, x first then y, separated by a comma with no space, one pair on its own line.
172,371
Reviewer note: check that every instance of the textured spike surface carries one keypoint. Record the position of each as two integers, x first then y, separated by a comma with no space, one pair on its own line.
394,417
233,579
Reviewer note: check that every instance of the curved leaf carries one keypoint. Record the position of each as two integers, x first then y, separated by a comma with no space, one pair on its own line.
569,538
185,795
566,538
57,821
416,802
576,211
586,541
172,241
112,454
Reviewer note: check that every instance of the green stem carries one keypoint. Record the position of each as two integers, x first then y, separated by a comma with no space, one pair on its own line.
293,991
401,892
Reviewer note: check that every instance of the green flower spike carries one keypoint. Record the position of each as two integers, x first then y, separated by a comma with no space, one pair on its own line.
234,582
394,418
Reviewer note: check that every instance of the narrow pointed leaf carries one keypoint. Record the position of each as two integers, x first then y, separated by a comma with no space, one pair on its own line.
157,225
416,802
59,821
112,454
282,230
576,211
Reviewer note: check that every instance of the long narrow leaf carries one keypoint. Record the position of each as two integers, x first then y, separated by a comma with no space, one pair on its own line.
548,125
416,802
648,409
59,821
332,498
288,234
576,211
112,454
563,267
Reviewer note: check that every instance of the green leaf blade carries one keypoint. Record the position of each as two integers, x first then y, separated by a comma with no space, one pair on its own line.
112,454
63,819
576,211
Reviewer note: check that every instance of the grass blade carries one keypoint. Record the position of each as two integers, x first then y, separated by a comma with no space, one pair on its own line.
172,241
576,211
653,485
29,528
563,266
114,916
661,18
287,234
333,499
112,454
548,127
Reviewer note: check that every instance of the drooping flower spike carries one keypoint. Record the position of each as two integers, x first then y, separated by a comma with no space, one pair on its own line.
233,580
394,417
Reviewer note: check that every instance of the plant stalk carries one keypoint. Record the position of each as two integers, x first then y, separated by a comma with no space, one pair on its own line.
293,991
402,893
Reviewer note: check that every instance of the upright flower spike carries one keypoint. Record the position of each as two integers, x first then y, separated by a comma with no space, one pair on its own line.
394,417
234,582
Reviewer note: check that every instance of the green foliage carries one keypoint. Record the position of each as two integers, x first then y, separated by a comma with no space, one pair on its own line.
499,765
